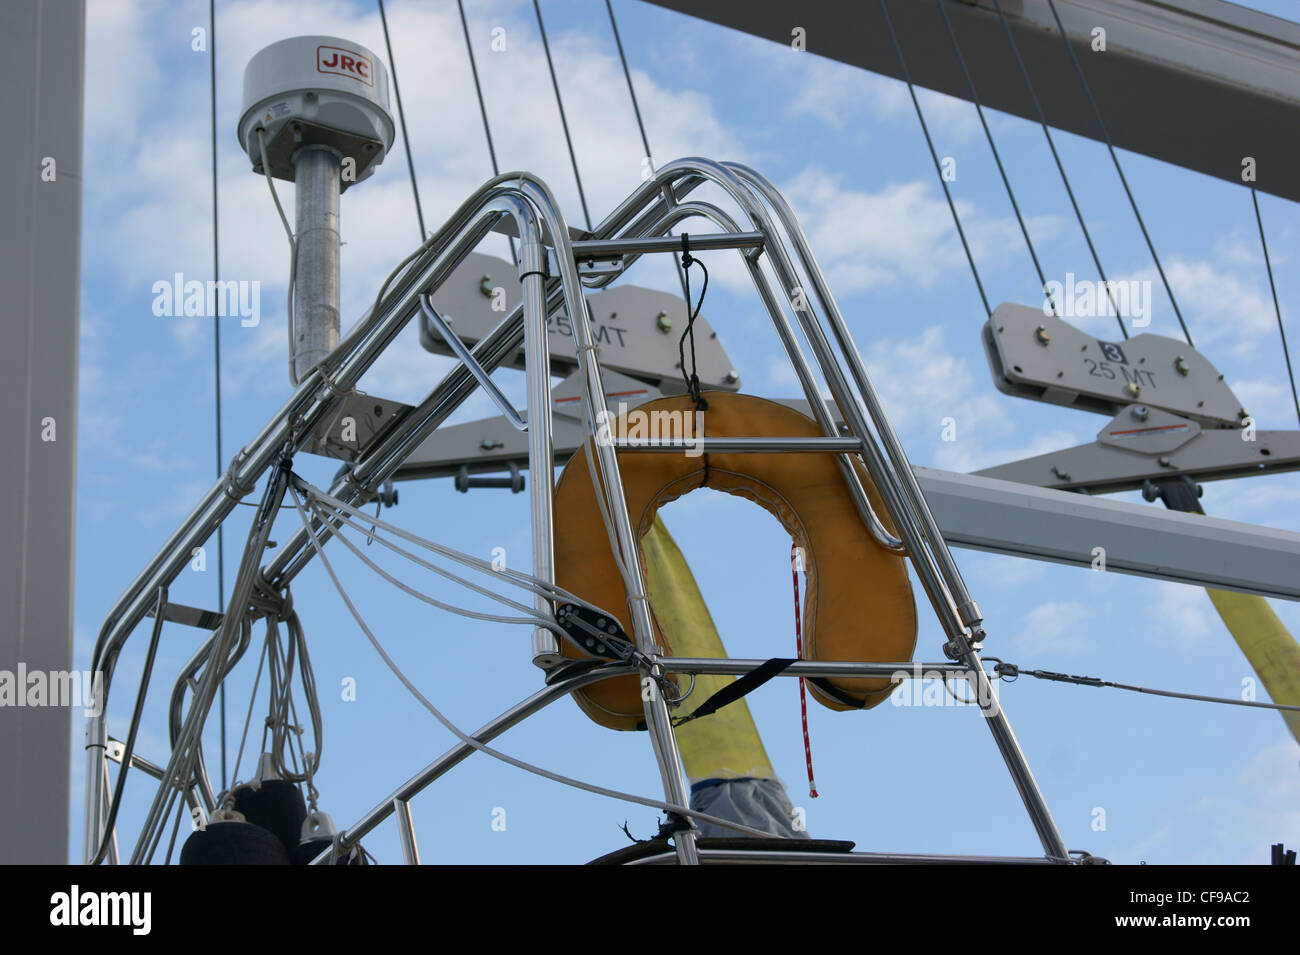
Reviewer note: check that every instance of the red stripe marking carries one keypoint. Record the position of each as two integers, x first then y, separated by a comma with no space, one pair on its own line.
608,394
1163,427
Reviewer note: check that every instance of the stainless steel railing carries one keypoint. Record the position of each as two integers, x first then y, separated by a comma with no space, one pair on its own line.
551,280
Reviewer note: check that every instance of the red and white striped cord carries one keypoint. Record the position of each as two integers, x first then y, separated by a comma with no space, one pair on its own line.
795,562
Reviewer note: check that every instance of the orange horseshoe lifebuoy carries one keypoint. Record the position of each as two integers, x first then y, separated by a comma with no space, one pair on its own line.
858,603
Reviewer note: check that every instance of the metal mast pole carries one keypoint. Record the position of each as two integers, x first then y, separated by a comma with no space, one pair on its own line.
316,287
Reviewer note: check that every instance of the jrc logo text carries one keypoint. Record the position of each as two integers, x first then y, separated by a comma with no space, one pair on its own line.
333,59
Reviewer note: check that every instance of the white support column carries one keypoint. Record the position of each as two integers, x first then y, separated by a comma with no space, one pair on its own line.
41,65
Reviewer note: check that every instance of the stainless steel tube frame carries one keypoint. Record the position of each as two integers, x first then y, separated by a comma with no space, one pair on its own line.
684,210
752,857
791,445
658,721
306,408
816,668
894,477
541,451
693,172
652,202
966,607
292,427
461,751
430,317
967,612
406,831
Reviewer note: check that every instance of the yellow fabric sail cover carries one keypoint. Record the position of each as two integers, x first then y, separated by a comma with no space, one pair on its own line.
727,744
858,603
1270,648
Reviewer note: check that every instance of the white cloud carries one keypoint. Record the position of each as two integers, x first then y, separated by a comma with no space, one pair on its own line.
1261,807
1055,627
1268,400
844,97
1239,248
922,383
1222,310
1269,500
902,233
1182,612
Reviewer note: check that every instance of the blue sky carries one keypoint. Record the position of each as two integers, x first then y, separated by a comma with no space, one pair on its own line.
1178,781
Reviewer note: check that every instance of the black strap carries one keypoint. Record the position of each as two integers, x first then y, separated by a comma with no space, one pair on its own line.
829,688
734,691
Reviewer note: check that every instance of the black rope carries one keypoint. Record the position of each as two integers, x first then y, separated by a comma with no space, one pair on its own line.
1276,307
974,95
907,77
627,74
1060,167
478,88
691,378
582,197
216,351
401,117
1083,80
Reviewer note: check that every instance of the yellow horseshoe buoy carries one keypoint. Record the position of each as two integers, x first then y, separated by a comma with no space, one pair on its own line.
858,603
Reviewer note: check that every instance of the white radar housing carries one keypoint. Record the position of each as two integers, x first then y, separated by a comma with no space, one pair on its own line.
316,91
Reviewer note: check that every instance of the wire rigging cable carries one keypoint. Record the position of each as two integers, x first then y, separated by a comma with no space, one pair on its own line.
216,348
1083,80
401,116
563,120
627,74
645,141
974,95
1009,672
293,249
482,107
478,88
952,207
465,737
316,497
1254,197
533,618
1060,167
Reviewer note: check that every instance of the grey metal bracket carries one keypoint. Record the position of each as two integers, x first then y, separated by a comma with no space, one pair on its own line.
280,149
1033,355
636,329
1173,414
1107,467
491,445
190,616
357,423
